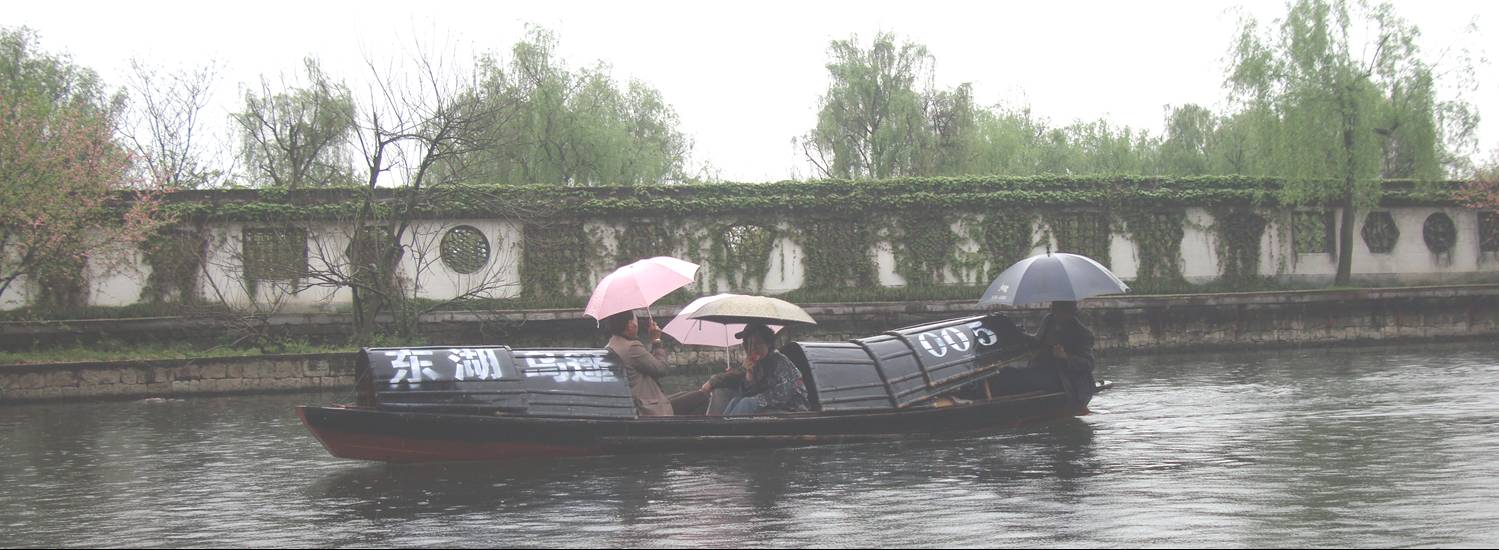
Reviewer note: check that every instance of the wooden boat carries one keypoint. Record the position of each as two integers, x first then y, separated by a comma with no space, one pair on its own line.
487,403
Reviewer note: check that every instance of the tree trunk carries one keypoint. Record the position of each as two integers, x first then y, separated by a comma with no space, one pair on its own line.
1345,238
1345,229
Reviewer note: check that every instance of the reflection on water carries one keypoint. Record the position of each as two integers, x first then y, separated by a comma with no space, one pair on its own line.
1363,447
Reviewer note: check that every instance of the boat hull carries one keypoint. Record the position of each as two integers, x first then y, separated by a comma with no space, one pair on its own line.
367,433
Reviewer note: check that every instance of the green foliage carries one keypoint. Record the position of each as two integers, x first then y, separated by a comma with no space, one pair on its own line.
1189,141
60,173
293,138
1006,237
60,283
924,246
1311,232
575,126
1342,98
836,253
869,124
841,197
175,255
643,238
1084,233
638,239
557,262
741,252
139,309
1237,232
732,228
41,79
1158,237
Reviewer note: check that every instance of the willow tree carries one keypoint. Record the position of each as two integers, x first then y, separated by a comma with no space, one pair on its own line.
870,124
1188,146
1347,100
294,137
576,126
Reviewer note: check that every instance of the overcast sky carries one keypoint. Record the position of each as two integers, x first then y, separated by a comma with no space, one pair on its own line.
745,78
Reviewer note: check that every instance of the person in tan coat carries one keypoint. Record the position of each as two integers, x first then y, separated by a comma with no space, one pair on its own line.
642,367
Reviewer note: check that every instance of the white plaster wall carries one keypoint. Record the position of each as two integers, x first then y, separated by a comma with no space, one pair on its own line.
786,271
16,296
1410,261
498,278
1123,260
119,280
1410,258
226,283
327,246
222,280
884,265
1276,258
1199,257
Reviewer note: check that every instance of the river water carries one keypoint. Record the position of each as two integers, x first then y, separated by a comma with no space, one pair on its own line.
1346,447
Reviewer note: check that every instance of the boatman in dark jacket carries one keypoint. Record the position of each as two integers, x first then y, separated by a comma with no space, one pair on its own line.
1063,359
769,381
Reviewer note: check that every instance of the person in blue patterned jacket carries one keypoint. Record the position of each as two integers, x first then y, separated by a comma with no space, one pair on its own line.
769,382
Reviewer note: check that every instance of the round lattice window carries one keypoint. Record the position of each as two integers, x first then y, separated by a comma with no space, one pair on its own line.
1439,232
464,249
1380,232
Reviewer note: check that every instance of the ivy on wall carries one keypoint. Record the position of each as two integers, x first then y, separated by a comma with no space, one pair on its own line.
923,246
1312,232
175,255
1158,238
61,284
741,253
832,196
1006,237
640,238
557,262
1237,231
731,229
636,239
836,253
1084,233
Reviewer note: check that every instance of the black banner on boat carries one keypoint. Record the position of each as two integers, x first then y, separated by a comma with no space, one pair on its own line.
907,366
490,379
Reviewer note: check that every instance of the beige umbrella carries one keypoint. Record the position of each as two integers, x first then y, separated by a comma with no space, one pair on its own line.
753,309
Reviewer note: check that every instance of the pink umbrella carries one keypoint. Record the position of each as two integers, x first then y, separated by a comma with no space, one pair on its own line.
698,332
638,285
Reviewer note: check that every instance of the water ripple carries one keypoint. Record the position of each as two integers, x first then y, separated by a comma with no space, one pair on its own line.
1362,447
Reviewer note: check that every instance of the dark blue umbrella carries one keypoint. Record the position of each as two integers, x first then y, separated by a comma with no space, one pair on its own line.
1051,277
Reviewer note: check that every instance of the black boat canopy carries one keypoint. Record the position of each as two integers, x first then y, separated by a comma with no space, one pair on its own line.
897,369
908,366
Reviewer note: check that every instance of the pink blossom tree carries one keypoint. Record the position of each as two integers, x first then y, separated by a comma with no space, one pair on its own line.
66,197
